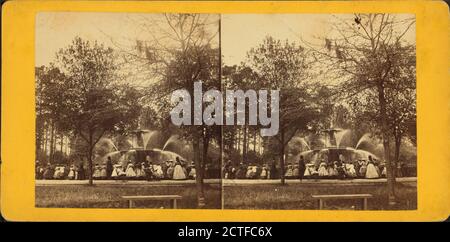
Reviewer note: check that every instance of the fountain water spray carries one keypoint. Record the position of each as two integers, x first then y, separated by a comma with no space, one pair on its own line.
364,138
171,139
340,135
303,140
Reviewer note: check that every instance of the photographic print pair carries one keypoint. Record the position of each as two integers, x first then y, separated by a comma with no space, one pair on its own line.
231,111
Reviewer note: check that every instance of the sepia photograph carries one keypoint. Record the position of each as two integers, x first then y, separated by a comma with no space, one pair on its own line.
104,137
226,111
347,111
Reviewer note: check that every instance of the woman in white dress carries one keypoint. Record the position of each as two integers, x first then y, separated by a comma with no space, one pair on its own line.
118,172
130,173
323,169
178,173
371,171
254,174
308,170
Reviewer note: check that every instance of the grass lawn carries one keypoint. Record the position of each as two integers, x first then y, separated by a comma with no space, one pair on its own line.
109,196
298,196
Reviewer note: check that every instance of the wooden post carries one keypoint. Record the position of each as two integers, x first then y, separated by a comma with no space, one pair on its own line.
130,203
174,203
364,203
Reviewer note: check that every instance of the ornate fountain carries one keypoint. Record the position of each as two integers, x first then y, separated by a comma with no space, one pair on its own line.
139,150
333,151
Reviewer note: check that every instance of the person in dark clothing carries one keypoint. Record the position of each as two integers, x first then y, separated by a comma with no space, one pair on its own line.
273,171
109,168
48,172
81,174
301,167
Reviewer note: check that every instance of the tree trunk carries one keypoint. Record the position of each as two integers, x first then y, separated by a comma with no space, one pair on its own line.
39,138
205,153
45,141
198,168
244,148
283,182
254,141
91,148
61,136
196,136
398,141
239,142
387,154
52,141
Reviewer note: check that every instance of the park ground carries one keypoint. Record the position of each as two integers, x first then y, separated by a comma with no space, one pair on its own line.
237,194
298,196
109,196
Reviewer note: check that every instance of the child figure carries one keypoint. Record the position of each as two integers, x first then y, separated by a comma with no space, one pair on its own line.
71,174
103,172
170,171
295,172
97,172
363,169
289,172
263,173
192,172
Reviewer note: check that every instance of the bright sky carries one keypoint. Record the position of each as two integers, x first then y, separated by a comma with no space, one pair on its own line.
56,30
240,32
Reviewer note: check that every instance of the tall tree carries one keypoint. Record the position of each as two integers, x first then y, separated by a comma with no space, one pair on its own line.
90,98
366,53
179,50
283,65
48,104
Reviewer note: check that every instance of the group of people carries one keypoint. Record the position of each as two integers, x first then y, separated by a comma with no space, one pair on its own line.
357,169
147,170
338,169
252,171
177,170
